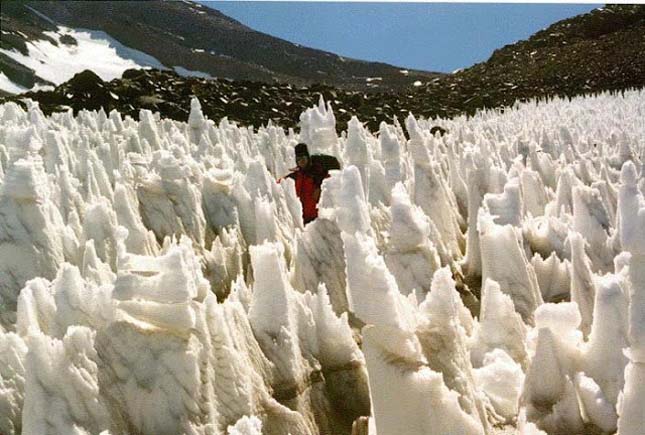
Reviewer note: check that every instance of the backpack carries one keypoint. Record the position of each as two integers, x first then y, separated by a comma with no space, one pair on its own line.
325,161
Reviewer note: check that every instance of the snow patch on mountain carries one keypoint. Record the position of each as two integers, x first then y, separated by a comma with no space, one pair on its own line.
59,63
7,85
78,50
190,73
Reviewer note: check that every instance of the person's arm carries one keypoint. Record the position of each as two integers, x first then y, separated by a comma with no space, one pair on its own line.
291,175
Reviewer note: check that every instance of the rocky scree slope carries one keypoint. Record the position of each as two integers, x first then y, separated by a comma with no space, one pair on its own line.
600,50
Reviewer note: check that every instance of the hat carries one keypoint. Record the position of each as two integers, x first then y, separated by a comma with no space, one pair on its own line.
301,150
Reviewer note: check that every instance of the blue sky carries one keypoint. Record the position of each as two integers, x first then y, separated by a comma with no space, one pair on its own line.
428,36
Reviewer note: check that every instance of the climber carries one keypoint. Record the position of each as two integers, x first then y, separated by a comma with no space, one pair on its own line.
308,176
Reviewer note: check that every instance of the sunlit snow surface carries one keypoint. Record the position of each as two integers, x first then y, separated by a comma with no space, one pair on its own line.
59,63
156,279
7,85
94,50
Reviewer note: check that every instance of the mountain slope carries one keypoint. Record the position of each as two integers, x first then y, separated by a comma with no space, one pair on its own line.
601,50
20,25
594,52
196,38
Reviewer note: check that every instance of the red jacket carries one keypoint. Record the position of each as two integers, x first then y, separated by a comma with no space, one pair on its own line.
308,182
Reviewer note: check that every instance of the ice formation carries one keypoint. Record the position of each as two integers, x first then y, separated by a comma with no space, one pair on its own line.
155,278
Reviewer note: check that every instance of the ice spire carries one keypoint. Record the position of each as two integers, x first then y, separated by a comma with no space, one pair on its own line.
424,405
604,358
445,319
318,129
411,256
583,290
632,230
30,230
391,153
196,120
357,151
549,393
500,327
511,271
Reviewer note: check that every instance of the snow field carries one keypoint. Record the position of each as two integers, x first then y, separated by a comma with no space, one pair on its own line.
93,50
155,278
